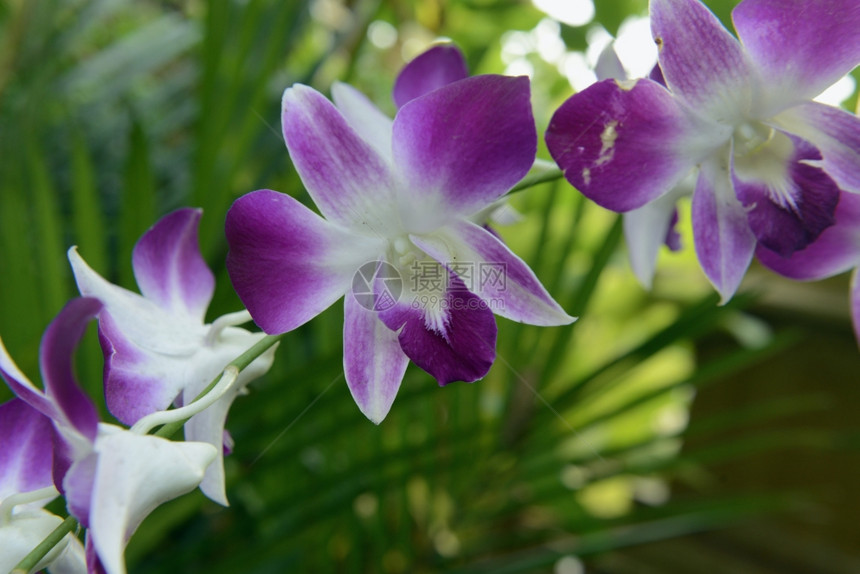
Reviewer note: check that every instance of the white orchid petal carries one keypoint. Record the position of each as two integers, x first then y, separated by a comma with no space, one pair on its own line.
134,475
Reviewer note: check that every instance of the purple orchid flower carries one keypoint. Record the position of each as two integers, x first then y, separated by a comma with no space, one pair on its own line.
771,162
26,485
112,477
398,195
835,251
158,350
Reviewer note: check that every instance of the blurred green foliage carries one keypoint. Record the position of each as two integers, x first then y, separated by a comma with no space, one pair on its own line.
114,112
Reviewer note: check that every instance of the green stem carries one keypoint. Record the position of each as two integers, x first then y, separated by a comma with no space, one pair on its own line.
240,362
528,181
30,561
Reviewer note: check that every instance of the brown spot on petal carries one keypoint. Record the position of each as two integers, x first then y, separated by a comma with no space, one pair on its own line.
659,41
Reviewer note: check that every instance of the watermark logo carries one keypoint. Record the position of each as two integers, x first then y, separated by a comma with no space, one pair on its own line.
377,286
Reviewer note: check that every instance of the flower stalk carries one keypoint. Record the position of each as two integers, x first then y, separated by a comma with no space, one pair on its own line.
32,559
239,363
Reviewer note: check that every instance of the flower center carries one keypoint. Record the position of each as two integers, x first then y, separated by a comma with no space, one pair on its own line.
751,137
405,252
763,155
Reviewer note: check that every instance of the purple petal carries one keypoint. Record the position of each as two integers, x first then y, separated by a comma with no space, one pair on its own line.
137,381
23,388
673,236
501,279
702,62
724,242
373,362
835,251
656,75
439,66
789,202
372,125
452,337
461,147
78,487
799,48
835,132
169,268
286,263
64,456
623,146
26,442
94,565
855,303
347,179
55,359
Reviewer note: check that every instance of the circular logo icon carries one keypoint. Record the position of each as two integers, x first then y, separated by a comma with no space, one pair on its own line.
377,286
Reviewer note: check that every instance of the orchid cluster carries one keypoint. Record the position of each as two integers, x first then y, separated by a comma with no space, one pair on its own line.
158,352
773,169
404,235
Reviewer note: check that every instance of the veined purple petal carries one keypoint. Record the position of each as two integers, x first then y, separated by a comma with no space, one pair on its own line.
439,66
835,132
288,264
169,268
799,48
789,202
461,147
26,442
835,251
134,475
348,180
501,279
623,145
137,381
373,362
724,242
366,119
452,337
55,360
702,62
